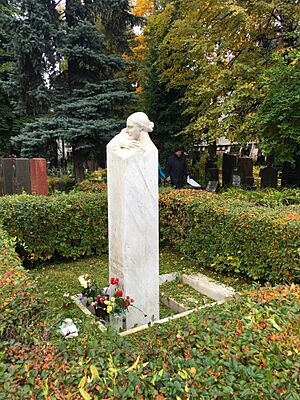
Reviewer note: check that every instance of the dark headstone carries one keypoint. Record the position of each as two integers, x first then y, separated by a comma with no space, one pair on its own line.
229,163
212,174
289,175
1,178
38,176
212,186
297,169
245,171
22,176
269,176
9,174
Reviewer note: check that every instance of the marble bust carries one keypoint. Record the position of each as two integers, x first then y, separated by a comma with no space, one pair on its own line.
135,135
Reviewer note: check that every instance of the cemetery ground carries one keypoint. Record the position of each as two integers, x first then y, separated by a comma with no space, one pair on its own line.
245,348
59,281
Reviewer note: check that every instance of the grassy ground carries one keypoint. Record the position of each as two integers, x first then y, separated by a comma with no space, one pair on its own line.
59,280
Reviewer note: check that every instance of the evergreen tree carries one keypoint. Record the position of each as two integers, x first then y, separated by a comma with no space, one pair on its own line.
7,118
89,90
32,45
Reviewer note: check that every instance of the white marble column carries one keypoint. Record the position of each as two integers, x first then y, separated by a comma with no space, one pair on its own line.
133,227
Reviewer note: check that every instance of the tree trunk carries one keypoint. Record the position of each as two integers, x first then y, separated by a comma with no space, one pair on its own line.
78,160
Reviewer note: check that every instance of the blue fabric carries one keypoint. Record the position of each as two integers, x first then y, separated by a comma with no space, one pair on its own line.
161,172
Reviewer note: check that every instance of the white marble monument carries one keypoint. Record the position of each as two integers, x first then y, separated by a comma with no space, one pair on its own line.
132,171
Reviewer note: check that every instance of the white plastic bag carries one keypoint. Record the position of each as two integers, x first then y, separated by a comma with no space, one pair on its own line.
193,183
68,328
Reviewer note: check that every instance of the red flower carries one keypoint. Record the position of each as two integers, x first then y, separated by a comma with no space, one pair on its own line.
128,297
132,300
119,293
126,304
114,281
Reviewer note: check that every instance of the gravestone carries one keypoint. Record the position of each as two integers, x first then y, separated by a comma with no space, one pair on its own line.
245,171
269,177
38,176
289,175
228,165
22,176
212,186
132,175
212,174
9,175
1,178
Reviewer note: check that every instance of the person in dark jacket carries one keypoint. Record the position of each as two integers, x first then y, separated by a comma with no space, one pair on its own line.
177,169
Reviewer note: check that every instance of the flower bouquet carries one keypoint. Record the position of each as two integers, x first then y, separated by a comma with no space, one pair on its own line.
89,291
108,303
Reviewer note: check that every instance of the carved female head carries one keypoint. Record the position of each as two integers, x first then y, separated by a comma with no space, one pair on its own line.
136,123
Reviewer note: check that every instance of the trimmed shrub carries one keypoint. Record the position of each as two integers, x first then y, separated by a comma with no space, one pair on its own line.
234,236
20,302
228,235
64,225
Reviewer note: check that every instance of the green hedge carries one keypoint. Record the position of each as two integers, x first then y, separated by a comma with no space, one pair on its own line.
228,235
64,225
20,302
234,236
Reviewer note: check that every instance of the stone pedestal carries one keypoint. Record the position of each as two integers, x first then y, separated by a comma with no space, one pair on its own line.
38,176
133,228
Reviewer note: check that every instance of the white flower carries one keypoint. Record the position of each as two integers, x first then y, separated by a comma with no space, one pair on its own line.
83,282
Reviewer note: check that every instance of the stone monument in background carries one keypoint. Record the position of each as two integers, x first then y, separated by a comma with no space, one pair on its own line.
38,176
18,175
22,174
132,172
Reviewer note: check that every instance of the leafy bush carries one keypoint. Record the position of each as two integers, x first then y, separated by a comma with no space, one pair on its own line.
19,301
234,236
266,197
63,183
96,182
247,348
64,225
228,235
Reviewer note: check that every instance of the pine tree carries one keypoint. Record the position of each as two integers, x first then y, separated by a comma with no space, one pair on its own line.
32,45
7,118
90,92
